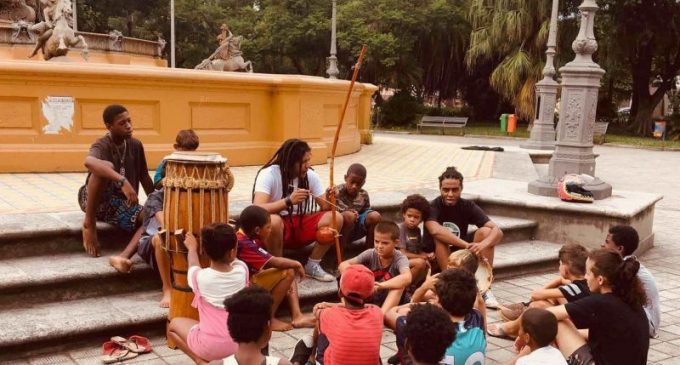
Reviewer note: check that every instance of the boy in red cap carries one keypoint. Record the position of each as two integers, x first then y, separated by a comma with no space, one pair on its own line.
348,332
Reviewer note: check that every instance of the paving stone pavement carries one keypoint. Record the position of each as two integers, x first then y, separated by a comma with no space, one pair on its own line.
423,157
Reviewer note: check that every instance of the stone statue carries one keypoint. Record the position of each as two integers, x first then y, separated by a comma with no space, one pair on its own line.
14,11
225,36
55,34
227,56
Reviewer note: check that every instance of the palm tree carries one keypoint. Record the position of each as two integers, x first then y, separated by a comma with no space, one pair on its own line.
512,35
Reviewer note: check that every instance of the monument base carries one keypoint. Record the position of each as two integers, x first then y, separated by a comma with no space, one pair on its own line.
538,145
547,186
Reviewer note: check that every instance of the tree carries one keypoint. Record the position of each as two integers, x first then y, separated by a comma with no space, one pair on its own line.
512,35
647,33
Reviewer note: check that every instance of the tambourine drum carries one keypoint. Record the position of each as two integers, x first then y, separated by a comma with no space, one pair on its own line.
484,276
196,186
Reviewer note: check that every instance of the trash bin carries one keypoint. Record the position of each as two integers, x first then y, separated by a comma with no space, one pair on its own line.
512,123
504,122
660,129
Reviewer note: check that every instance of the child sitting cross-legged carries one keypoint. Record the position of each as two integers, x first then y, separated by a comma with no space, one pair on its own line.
570,286
358,217
456,292
250,325
537,331
348,332
389,266
414,209
274,274
209,339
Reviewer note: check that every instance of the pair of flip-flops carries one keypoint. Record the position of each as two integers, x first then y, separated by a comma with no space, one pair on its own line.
121,349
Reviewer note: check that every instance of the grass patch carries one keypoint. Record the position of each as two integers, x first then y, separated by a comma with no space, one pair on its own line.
640,141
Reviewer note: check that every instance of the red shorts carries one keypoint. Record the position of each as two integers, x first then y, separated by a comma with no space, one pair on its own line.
296,236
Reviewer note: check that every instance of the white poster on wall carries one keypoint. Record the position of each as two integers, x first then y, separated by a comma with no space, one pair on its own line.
58,110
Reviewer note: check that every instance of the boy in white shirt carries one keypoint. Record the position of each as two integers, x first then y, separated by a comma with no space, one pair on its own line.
537,332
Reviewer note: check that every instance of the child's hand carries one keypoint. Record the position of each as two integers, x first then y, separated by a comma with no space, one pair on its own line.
354,213
190,242
299,270
519,344
429,283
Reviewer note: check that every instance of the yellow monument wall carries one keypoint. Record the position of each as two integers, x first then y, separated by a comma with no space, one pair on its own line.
245,117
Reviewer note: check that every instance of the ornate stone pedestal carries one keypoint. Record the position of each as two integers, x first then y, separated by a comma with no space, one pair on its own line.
580,85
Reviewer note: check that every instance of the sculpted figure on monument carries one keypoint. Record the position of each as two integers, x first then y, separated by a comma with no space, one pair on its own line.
228,55
16,11
55,34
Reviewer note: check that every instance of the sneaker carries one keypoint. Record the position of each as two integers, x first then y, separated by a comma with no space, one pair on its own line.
490,300
316,272
513,311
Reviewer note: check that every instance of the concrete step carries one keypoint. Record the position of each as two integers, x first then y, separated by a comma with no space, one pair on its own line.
68,276
524,257
28,326
514,229
25,325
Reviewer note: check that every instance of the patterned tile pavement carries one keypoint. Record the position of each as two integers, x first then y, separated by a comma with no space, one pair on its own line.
423,157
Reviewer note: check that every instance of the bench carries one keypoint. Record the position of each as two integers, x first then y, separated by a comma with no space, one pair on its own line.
599,131
443,122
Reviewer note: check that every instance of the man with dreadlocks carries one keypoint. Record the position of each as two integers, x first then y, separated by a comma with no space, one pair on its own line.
284,187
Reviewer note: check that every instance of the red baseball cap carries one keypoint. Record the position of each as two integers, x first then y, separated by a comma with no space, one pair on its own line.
357,281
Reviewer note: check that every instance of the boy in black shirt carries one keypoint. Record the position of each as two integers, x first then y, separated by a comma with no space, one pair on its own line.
117,166
570,286
447,225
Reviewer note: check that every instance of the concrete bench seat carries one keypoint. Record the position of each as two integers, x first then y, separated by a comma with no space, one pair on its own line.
443,122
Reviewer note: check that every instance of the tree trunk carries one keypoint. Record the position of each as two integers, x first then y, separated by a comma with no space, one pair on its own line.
642,120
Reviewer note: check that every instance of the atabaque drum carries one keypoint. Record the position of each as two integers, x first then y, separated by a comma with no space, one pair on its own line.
196,186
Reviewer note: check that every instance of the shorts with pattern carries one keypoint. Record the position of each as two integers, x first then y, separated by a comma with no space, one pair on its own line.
582,356
113,208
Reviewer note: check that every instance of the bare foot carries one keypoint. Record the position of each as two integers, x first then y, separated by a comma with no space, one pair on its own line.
121,264
90,241
304,321
281,326
165,301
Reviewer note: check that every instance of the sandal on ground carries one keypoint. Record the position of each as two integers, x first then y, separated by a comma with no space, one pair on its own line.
129,345
113,352
496,330
142,342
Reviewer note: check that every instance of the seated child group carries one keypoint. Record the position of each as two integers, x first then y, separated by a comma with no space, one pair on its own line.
414,275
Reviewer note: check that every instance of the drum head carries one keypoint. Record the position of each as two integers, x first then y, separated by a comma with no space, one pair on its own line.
193,156
484,276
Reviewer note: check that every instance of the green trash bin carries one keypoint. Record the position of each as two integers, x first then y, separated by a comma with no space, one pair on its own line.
504,122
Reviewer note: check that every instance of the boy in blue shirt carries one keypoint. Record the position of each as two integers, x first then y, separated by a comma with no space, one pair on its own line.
456,292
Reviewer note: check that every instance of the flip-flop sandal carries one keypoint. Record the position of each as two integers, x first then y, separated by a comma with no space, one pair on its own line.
124,343
142,342
496,330
113,353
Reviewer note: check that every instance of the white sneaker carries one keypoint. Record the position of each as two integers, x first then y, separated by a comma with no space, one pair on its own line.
490,300
316,272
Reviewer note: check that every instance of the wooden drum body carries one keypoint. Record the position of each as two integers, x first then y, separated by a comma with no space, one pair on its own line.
196,188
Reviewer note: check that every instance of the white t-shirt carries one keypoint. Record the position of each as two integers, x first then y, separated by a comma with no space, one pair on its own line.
216,286
652,308
544,356
269,182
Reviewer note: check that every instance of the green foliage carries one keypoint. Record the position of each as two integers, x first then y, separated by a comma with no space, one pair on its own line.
511,34
447,111
403,109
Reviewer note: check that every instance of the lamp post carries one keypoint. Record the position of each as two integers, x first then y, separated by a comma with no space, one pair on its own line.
172,33
332,70
580,86
543,132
